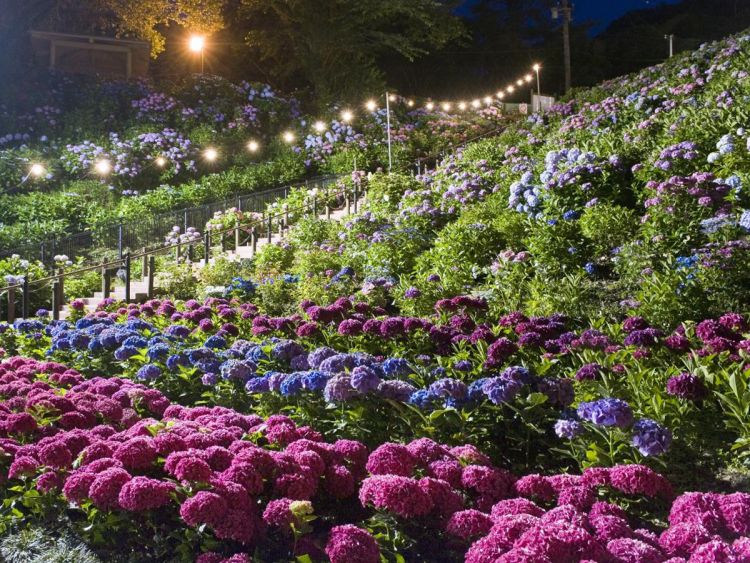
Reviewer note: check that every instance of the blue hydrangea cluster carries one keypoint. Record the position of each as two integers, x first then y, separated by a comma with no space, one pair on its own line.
525,197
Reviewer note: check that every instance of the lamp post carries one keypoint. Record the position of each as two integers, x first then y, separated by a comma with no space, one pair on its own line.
537,67
197,44
670,37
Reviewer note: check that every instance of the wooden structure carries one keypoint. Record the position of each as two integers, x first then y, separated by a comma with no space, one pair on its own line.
84,54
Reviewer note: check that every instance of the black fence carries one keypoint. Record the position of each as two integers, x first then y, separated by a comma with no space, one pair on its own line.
134,235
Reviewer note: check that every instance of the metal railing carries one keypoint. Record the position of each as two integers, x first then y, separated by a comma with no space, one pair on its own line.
131,235
252,230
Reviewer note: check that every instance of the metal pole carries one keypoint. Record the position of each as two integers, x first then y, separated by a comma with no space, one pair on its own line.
55,300
25,301
670,37
127,278
207,246
119,241
567,16
270,228
538,90
11,304
388,122
151,272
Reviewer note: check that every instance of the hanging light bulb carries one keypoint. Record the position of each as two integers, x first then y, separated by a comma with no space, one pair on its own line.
392,98
288,137
511,89
475,103
488,100
371,105
462,106
211,154
347,116
528,78
319,126
410,103
253,146
446,106
429,106
536,67
519,82
160,161
501,95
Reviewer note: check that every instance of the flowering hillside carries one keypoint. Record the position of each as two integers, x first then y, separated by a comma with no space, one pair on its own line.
536,352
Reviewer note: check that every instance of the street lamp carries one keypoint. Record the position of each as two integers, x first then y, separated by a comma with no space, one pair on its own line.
319,127
197,45
371,105
36,170
288,137
103,167
211,154
537,67
253,146
429,106
475,104
446,106
347,116
461,106
160,161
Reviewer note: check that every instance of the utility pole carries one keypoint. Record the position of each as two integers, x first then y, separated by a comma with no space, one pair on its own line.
670,37
565,10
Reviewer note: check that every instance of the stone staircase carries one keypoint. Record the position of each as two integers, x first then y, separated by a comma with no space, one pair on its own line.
139,289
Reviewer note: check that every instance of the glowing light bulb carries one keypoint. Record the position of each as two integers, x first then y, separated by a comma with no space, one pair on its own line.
197,43
529,78
536,67
160,161
475,103
501,95
211,154
462,106
319,127
347,116
253,146
37,170
410,103
103,167
511,89
519,82
446,106
430,106
371,105
288,137
392,98
488,100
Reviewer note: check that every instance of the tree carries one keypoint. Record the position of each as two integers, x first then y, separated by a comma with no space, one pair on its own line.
335,45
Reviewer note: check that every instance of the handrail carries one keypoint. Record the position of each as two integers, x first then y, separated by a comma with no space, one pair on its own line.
166,247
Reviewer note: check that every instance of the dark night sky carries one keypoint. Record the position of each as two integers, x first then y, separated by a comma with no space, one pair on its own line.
603,12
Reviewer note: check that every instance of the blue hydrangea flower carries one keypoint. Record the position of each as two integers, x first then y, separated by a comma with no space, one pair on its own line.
209,379
257,385
316,357
237,370
500,390
607,412
421,399
125,352
364,379
135,342
394,367
215,342
149,372
568,429
339,388
157,352
449,388
651,438
314,380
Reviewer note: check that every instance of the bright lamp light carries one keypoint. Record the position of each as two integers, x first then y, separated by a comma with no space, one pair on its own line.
253,146
160,161
197,43
103,167
371,105
430,106
211,154
36,170
288,137
347,116
319,126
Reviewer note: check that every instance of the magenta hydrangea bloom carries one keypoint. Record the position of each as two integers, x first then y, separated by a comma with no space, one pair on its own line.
629,550
56,455
77,486
136,453
445,499
192,469
105,489
278,513
682,539
391,459
393,493
143,493
492,481
204,508
487,550
348,543
468,524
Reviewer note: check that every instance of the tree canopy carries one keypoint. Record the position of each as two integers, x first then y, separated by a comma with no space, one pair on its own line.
335,45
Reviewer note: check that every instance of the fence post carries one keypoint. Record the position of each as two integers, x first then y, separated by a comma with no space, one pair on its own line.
207,246
286,215
356,197
315,206
185,221
25,301
127,277
11,304
237,236
41,253
119,241
191,252
270,228
55,300
151,272
348,202
61,285
253,240
144,263
105,282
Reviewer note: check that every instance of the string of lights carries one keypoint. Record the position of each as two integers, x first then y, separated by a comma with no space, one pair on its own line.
197,44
